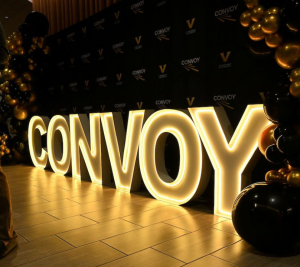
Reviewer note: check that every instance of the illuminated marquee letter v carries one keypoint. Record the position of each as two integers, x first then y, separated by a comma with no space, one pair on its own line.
229,159
126,172
89,141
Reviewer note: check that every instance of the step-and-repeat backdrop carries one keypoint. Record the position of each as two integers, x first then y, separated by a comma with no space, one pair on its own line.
158,54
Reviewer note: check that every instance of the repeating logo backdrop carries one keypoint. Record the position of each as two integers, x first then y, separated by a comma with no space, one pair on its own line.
157,54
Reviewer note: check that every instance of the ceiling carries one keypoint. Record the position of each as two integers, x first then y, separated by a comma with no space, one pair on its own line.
16,11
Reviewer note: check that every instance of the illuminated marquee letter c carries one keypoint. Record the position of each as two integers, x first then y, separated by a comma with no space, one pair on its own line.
192,167
38,155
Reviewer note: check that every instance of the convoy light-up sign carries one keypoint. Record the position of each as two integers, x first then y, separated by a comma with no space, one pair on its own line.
88,148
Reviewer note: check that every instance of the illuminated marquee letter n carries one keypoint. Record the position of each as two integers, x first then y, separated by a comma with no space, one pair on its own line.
86,138
194,168
37,128
58,144
229,154
123,152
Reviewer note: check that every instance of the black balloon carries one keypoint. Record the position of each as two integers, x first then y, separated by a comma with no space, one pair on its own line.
279,107
274,155
268,216
291,16
26,31
284,80
38,23
18,63
289,144
283,129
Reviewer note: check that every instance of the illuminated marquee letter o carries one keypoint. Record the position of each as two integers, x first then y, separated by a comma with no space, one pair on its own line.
59,149
151,157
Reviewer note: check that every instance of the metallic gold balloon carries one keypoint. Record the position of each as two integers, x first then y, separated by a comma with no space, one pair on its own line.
294,178
266,138
46,50
10,45
295,75
274,176
35,40
9,101
2,153
274,40
257,13
30,61
285,172
2,148
7,151
288,55
5,137
18,40
18,81
6,83
251,3
27,76
33,47
24,87
245,18
7,91
255,33
21,50
31,67
12,75
2,86
20,112
270,24
295,89
32,97
273,11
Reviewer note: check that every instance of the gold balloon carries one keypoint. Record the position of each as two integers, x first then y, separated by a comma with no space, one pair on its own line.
2,153
274,176
21,50
251,3
2,86
35,40
33,47
7,151
31,67
27,76
46,50
2,148
20,112
295,75
266,138
273,11
257,13
24,87
7,83
7,91
270,24
18,40
285,172
288,55
12,75
274,40
255,33
32,97
245,18
10,45
30,61
295,89
9,101
294,178
18,81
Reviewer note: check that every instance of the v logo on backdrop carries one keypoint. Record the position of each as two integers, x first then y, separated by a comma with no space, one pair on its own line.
190,23
87,82
225,58
190,101
100,51
117,15
119,76
139,104
138,39
102,107
162,68
84,30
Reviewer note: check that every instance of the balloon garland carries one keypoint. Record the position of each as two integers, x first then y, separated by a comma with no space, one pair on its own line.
267,214
19,81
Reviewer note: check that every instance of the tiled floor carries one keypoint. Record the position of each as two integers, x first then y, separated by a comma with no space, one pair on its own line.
65,222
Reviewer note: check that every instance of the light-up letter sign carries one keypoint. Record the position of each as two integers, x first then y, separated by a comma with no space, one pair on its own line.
126,172
37,128
58,144
86,137
229,154
152,163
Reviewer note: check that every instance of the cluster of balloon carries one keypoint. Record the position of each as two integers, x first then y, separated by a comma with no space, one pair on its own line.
267,214
20,76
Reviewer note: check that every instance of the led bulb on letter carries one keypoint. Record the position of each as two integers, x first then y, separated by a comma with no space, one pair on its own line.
193,168
37,128
86,137
123,153
59,149
229,154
